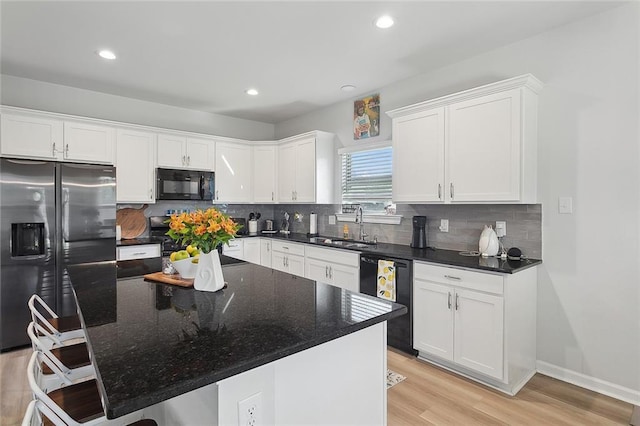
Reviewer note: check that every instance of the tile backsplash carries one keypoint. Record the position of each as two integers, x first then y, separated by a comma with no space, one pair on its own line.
524,222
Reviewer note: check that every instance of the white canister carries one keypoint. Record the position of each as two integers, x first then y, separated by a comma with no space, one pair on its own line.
118,232
253,226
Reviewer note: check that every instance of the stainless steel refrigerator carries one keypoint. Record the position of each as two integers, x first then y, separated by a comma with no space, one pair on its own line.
52,215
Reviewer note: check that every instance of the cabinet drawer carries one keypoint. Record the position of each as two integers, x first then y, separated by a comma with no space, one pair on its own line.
142,251
459,277
290,248
343,257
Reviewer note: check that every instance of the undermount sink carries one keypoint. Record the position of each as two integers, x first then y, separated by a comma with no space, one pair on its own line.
347,243
357,245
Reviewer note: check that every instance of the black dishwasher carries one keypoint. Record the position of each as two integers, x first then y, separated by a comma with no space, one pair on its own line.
399,330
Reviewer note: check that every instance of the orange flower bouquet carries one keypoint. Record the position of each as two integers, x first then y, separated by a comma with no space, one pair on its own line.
204,229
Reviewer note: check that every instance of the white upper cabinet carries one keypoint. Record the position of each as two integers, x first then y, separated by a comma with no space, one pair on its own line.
135,166
31,136
88,143
185,152
476,146
264,173
287,172
201,154
484,148
233,173
305,168
418,157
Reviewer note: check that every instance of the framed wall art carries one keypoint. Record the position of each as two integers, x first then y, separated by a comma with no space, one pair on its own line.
366,117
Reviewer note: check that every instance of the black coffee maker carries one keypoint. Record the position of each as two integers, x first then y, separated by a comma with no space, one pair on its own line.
419,238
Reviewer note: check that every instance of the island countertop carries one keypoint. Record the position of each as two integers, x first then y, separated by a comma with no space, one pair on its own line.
151,342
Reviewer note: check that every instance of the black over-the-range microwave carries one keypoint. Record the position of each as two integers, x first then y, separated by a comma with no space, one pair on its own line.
184,185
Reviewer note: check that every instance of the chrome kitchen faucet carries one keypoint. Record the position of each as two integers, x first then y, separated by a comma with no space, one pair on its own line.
359,220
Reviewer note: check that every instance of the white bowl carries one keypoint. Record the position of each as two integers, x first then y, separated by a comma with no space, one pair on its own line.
186,268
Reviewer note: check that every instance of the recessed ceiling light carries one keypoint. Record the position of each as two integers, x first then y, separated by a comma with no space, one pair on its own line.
384,22
348,88
106,54
252,92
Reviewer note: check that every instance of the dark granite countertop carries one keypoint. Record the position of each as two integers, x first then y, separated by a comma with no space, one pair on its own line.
441,256
138,241
151,342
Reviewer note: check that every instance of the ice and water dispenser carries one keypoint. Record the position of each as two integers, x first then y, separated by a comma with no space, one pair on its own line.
27,239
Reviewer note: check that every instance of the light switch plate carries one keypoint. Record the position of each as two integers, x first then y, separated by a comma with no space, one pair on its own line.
565,205
444,225
501,228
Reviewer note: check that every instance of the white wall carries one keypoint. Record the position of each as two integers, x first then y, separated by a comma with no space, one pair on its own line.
589,283
26,93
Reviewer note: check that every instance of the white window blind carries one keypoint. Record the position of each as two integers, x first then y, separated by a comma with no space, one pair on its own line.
366,176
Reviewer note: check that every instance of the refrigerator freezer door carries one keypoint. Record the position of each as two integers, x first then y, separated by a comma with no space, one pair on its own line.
27,196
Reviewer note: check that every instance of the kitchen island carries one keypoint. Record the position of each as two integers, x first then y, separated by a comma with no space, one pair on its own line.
271,345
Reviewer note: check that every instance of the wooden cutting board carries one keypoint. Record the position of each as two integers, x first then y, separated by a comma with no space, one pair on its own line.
132,221
173,279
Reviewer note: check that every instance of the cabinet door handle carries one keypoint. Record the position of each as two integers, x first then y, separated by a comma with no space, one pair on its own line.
66,151
150,194
439,191
271,195
217,194
188,160
326,271
283,264
457,301
184,160
449,301
451,277
451,190
53,149
331,272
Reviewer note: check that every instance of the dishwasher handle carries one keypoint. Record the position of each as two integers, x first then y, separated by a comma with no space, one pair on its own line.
374,261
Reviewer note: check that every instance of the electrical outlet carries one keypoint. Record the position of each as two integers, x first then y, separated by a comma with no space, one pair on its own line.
250,411
332,219
501,228
444,225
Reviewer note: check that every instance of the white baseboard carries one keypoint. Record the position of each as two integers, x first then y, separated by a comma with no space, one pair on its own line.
597,385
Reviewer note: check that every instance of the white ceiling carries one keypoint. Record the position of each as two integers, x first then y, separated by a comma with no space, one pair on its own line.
203,55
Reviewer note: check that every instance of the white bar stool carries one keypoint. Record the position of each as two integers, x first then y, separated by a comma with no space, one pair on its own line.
72,405
61,328
70,363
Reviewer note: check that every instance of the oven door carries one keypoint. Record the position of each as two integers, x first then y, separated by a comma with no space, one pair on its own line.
184,185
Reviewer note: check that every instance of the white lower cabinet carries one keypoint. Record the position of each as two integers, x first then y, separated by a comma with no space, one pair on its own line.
265,252
481,325
252,250
234,249
288,257
331,266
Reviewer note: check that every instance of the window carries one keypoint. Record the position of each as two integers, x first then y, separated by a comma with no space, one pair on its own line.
366,178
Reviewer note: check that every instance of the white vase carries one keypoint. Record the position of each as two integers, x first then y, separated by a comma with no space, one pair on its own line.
209,273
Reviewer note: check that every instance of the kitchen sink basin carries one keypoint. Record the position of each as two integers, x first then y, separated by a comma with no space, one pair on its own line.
357,245
345,243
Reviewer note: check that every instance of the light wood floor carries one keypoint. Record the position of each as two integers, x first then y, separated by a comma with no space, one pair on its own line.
432,396
428,396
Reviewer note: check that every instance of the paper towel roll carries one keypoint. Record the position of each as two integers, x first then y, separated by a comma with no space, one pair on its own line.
313,223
